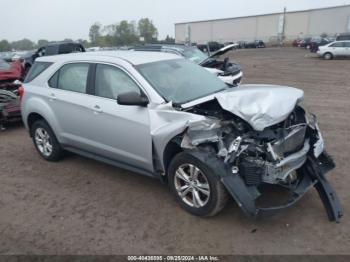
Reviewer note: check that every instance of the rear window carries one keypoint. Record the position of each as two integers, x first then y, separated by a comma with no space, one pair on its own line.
36,70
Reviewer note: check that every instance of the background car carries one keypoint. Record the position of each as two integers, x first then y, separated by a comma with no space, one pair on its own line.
210,47
296,42
316,42
305,43
227,71
335,49
9,73
343,36
255,44
54,48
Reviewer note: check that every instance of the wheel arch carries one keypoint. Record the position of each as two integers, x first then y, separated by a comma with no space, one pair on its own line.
170,151
33,109
32,118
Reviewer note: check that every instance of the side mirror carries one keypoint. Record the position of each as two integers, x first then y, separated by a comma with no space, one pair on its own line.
132,99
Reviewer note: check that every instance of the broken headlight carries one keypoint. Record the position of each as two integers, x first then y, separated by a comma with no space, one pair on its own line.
319,146
311,119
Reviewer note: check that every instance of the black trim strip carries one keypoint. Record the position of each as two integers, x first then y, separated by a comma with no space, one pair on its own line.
90,87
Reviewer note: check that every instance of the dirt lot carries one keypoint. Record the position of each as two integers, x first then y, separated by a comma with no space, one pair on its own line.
79,206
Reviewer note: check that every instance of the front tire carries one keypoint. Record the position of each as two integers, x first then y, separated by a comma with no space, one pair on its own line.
195,186
45,141
328,56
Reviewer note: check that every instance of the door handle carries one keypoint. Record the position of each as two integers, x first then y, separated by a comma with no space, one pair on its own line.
97,109
52,97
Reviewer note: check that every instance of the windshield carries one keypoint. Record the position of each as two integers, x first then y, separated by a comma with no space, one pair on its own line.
194,55
180,81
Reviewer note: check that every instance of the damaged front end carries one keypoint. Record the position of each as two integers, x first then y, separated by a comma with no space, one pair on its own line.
9,107
289,155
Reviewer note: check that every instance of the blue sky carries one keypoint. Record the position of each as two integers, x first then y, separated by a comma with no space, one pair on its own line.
59,19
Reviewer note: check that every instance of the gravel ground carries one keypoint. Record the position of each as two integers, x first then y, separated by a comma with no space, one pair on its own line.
80,206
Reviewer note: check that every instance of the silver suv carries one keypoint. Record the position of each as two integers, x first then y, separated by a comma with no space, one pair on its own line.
162,116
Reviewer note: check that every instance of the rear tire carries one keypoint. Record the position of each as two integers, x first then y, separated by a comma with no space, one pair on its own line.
328,56
45,141
206,195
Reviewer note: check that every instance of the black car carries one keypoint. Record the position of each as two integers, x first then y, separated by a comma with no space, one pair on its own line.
342,37
56,48
255,44
210,47
315,43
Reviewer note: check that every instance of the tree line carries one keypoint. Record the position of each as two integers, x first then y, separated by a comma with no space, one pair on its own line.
125,33
118,34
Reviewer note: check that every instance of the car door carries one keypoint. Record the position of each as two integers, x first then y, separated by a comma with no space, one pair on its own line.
346,48
337,48
121,133
72,105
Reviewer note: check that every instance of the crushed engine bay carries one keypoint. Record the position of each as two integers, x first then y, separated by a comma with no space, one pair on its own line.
289,154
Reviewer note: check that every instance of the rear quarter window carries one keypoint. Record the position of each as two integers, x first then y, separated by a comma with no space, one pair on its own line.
338,44
36,70
71,77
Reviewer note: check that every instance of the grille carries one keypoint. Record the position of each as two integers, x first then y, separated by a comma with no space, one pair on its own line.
251,171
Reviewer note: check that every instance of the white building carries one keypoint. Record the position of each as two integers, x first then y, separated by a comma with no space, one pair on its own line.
268,27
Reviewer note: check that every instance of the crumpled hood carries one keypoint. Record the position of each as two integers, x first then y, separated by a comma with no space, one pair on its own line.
261,105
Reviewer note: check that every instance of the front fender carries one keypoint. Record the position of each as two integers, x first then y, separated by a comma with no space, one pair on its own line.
167,123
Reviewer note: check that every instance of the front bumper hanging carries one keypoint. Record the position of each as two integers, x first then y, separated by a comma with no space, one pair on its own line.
312,174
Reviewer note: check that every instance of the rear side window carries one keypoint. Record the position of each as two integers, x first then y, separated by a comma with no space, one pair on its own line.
343,37
347,44
36,70
69,48
51,50
71,77
338,44
65,49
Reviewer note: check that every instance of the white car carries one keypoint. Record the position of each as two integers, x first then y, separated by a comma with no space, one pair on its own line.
334,49
225,70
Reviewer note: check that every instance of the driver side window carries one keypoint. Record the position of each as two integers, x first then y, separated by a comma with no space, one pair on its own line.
111,81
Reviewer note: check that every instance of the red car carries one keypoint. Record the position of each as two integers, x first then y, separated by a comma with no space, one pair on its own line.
10,72
297,42
9,104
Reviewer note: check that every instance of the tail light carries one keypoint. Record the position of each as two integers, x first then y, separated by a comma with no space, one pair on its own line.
20,93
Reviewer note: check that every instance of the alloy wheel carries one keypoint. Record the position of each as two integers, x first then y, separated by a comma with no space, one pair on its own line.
328,56
43,141
192,185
